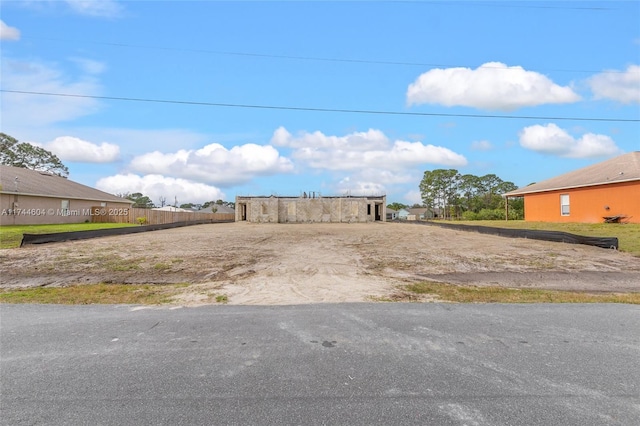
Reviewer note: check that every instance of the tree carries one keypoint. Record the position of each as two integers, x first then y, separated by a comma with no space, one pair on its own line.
163,201
27,156
439,188
397,206
139,201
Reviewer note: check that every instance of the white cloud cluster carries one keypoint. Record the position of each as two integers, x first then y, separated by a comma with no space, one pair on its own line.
362,150
96,8
25,110
413,197
8,33
551,139
481,146
348,187
621,86
155,186
371,160
89,66
492,86
68,148
215,164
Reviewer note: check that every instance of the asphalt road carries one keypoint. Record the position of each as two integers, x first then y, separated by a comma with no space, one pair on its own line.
349,364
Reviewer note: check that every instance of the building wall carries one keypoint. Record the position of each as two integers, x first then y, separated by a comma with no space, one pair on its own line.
586,205
18,209
309,210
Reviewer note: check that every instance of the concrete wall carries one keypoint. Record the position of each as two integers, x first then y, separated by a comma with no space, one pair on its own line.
310,210
19,209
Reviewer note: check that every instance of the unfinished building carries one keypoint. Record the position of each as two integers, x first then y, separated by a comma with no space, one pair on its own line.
310,209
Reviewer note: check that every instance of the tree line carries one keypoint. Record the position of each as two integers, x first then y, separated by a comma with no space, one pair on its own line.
145,202
456,196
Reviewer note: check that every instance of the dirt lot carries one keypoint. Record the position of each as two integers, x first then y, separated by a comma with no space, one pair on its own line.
290,264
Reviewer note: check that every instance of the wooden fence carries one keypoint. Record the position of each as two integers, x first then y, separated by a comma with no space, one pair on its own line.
153,217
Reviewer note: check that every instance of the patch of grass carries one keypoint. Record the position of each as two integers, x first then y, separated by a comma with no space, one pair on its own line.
161,266
222,298
11,235
628,234
85,294
493,294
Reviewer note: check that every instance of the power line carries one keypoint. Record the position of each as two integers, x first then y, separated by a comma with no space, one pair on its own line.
310,58
335,110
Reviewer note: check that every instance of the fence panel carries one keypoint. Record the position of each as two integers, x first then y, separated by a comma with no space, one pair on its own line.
154,217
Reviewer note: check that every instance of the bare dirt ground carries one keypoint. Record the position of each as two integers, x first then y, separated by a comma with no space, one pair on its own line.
270,264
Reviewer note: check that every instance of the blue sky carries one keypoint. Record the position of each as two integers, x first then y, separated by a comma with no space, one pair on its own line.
452,70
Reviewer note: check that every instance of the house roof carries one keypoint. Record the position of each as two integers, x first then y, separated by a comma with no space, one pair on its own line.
171,209
418,210
16,180
623,168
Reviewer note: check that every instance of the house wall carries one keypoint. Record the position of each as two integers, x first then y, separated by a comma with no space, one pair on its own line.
307,210
19,209
587,205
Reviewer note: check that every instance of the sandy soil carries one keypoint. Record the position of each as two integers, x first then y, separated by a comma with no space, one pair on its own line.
290,264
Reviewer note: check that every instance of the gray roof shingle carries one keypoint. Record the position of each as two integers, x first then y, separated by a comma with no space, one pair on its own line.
623,168
32,182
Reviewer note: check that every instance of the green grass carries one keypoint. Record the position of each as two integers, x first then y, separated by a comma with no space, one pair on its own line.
86,294
493,294
11,235
628,234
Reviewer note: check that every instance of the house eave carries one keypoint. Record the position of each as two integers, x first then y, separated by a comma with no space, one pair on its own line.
562,188
64,197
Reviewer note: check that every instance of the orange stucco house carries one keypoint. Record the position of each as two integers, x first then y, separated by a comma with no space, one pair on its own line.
604,192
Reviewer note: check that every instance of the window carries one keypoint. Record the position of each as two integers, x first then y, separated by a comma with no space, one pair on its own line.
64,207
564,204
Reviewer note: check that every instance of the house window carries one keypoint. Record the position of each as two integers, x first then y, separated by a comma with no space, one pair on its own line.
564,204
64,207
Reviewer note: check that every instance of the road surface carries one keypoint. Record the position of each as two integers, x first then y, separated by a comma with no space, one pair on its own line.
333,364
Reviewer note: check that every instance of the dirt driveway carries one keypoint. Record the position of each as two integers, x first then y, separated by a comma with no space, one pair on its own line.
290,264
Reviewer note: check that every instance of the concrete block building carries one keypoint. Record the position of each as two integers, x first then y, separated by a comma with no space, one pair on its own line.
310,209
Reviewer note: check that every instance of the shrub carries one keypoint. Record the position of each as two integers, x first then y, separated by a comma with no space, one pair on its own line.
141,220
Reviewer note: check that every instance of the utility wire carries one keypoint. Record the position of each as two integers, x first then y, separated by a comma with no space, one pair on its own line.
336,110
311,58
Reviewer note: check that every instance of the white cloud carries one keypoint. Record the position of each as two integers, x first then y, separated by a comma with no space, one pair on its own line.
349,187
26,110
492,86
361,150
96,8
368,140
616,85
481,146
155,186
69,148
373,162
551,139
8,33
90,66
215,164
413,197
